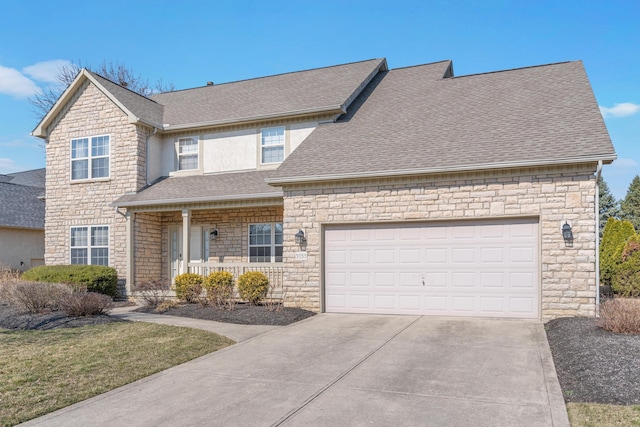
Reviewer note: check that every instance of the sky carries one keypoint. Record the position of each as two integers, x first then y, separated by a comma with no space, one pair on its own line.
188,43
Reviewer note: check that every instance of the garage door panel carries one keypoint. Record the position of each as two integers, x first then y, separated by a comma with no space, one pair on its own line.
482,268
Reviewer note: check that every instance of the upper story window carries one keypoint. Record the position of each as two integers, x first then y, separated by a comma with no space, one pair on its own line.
90,157
272,145
265,242
187,154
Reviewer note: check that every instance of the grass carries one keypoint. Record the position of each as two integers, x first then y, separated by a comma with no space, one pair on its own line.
41,371
599,415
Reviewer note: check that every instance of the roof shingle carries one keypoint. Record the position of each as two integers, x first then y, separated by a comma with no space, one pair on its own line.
203,188
412,119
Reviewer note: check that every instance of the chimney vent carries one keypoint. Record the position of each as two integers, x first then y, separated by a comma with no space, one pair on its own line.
209,83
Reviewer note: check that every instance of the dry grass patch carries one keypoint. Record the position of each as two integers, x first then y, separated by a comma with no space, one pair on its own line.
41,371
599,415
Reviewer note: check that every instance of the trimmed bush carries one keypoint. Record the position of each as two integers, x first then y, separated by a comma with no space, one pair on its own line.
189,287
96,278
34,297
253,286
154,292
83,303
615,235
626,277
219,286
620,315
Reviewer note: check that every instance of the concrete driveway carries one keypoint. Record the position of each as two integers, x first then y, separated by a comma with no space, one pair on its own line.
350,370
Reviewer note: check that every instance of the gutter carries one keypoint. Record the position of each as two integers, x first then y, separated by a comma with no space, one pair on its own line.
198,200
447,169
597,209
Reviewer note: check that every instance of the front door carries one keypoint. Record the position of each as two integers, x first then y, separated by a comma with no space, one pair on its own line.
198,248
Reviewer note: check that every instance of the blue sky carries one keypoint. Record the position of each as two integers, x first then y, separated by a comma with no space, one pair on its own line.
191,42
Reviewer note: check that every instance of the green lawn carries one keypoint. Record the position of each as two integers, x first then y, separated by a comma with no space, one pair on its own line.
41,371
597,415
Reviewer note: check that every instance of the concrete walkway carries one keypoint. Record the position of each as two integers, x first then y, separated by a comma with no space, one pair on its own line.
237,333
349,370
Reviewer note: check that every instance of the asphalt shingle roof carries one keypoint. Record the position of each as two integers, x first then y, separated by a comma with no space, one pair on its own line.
413,119
31,178
203,188
144,108
20,206
310,90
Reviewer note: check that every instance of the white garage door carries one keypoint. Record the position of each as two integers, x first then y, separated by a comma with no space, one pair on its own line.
478,268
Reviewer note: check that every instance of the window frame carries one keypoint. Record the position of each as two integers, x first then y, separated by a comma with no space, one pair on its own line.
179,155
263,146
89,246
89,158
272,245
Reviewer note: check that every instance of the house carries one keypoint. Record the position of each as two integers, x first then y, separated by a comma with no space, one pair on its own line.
357,188
22,219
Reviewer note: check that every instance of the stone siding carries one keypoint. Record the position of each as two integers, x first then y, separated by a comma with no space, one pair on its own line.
88,202
554,195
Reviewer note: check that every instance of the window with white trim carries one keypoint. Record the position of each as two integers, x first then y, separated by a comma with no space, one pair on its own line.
90,245
265,242
90,157
272,145
187,154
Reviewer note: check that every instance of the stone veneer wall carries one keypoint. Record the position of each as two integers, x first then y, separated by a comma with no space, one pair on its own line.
88,202
556,194
152,236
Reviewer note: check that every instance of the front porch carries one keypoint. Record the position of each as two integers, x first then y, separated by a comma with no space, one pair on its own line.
167,242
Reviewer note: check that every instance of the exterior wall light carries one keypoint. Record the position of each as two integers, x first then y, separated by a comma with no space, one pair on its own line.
213,235
300,239
567,235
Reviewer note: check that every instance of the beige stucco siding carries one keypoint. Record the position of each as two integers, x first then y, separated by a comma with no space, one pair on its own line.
554,195
88,202
18,247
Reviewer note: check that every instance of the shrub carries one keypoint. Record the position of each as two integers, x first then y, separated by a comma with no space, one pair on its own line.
154,292
189,287
96,278
615,235
35,297
219,286
253,286
82,303
165,305
626,277
620,315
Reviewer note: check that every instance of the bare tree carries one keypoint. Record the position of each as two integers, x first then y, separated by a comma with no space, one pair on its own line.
117,72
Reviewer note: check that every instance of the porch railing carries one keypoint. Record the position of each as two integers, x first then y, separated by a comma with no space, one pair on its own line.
273,271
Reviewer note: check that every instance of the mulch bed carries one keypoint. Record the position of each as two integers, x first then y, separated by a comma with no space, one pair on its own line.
243,314
10,318
595,365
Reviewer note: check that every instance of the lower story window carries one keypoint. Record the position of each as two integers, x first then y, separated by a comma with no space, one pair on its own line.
265,242
90,245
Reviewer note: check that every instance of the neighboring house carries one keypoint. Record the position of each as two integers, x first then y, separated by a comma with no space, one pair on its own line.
22,219
360,189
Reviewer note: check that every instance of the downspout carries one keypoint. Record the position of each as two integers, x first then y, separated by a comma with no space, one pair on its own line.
597,209
146,156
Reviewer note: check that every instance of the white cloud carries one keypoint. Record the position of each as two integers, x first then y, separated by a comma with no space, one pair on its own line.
8,166
620,110
46,71
13,82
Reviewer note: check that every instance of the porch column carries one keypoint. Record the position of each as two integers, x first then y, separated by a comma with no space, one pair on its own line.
186,236
130,262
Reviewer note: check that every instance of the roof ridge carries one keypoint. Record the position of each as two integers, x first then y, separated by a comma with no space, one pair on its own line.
514,69
272,75
421,65
120,86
